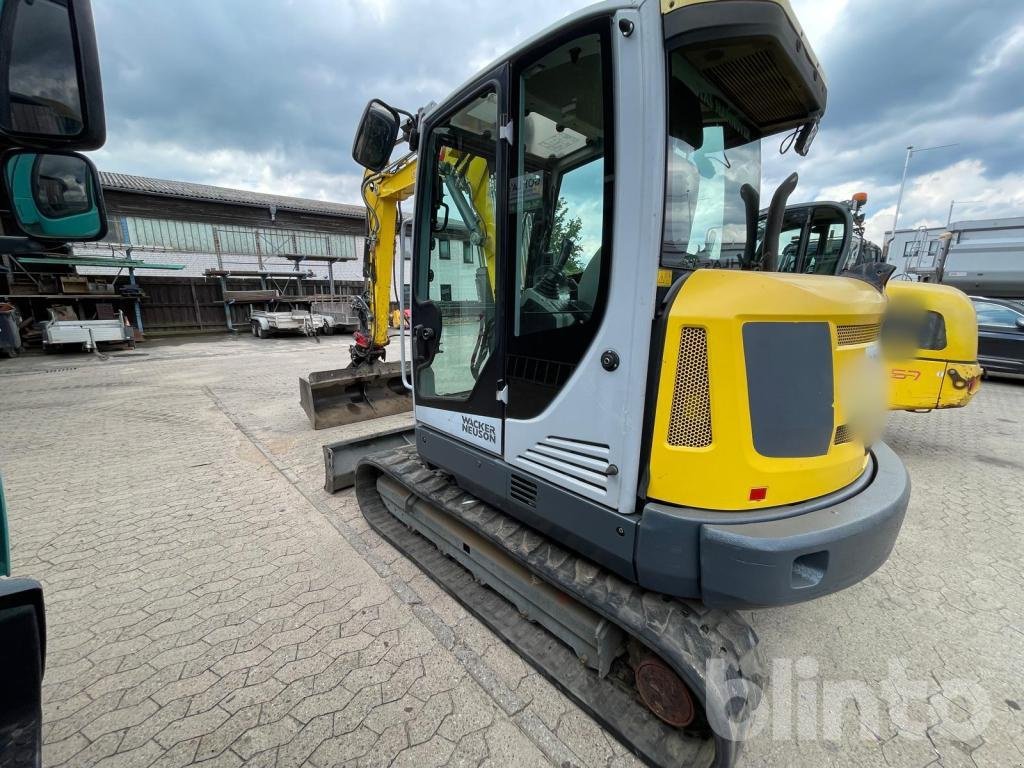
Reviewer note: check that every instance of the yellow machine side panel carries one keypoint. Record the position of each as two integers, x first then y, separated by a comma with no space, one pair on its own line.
922,379
954,306
702,452
961,383
917,385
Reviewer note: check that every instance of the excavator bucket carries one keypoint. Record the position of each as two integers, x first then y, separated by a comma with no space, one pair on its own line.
354,394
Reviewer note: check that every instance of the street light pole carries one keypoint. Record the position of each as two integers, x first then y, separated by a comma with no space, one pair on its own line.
899,199
903,183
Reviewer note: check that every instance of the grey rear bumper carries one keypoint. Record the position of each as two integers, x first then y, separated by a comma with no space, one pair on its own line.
778,556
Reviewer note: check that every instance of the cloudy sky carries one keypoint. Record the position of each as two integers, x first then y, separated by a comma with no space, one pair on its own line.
265,94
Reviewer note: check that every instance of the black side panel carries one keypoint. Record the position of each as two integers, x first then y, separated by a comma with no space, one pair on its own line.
23,651
790,388
588,528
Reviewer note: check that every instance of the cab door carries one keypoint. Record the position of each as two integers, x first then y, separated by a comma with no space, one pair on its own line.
457,323
568,362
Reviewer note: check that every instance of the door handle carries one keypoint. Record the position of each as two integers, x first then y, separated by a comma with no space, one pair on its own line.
424,343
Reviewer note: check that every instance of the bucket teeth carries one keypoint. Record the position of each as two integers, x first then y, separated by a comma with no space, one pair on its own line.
354,394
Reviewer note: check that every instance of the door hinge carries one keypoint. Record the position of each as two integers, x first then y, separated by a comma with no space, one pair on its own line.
507,133
502,395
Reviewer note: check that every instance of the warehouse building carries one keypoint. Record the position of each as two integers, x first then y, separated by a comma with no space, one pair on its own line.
178,256
216,227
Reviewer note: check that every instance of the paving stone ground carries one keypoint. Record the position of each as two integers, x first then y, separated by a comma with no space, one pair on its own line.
208,604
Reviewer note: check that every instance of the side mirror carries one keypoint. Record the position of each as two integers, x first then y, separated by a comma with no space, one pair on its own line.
51,95
805,137
376,136
23,649
54,195
1020,323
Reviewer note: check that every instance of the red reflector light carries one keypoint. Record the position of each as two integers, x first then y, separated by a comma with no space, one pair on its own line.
758,494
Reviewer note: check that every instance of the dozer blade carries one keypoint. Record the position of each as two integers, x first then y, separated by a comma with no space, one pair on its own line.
341,458
350,395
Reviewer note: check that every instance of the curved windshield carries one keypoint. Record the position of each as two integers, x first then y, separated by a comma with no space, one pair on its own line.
710,158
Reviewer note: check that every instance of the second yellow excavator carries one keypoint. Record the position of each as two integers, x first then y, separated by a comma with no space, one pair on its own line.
929,338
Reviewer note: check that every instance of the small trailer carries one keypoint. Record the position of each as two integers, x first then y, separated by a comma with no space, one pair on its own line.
340,309
264,323
62,330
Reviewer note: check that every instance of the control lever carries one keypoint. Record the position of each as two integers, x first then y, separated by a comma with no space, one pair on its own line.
548,285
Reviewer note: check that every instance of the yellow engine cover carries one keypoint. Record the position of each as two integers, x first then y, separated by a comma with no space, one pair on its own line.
944,373
806,344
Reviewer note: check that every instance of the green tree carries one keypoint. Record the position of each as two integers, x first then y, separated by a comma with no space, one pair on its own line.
562,228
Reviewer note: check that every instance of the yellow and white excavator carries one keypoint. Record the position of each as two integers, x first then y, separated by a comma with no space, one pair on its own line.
614,450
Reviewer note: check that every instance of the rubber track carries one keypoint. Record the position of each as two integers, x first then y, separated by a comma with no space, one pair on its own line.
686,634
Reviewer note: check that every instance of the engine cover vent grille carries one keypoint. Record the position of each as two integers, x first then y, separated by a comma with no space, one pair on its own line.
858,334
844,434
689,422
522,490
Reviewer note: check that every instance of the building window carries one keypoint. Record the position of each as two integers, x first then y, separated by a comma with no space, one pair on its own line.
933,247
446,292
467,252
910,248
445,249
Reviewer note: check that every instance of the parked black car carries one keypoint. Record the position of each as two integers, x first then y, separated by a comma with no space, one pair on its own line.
1000,334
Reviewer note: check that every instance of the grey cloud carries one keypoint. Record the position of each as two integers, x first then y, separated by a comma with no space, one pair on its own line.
921,73
285,78
195,88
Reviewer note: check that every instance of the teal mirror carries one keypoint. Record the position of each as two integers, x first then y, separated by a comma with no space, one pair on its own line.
55,195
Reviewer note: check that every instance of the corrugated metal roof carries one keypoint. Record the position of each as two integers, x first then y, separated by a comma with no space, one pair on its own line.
124,182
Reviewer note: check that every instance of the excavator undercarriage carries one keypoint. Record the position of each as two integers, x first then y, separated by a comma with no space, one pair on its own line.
650,668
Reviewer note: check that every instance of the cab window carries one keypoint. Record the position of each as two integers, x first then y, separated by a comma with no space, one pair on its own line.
560,197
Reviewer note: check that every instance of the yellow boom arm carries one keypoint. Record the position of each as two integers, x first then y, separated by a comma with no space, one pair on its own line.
382,193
